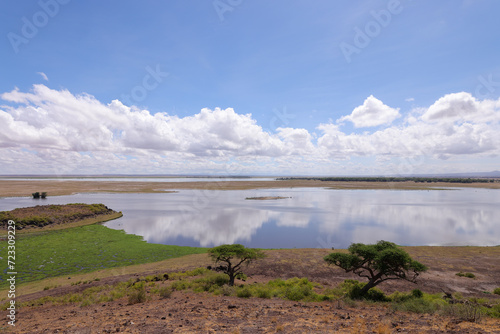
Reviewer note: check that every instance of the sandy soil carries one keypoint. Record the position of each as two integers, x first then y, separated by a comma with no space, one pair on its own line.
11,188
186,312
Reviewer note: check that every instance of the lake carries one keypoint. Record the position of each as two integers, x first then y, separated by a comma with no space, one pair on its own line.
308,218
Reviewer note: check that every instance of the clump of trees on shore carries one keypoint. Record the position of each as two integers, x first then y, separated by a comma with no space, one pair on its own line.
393,179
37,195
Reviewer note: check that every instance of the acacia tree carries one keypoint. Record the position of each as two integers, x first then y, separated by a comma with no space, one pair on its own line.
234,257
378,263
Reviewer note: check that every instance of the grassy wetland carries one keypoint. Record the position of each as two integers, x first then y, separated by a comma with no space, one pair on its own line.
60,240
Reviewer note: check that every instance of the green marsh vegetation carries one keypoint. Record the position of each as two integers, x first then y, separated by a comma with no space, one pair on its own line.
85,249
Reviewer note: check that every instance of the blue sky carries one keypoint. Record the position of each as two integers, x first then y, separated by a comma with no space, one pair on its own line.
291,73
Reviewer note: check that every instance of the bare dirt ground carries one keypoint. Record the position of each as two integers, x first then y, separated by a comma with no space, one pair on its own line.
15,188
187,312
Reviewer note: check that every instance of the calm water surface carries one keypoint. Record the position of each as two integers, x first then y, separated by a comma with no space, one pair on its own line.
310,217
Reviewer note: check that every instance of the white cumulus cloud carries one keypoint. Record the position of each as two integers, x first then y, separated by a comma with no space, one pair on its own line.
54,131
372,112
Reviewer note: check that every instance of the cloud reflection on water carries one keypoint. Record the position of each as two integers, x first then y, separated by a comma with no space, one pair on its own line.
333,217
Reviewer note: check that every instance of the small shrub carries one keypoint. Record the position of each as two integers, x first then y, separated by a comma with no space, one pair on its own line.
493,312
227,290
244,292
264,292
298,292
180,285
117,294
36,195
416,293
496,291
241,277
417,305
197,271
399,297
468,275
353,288
149,278
464,312
86,302
211,283
294,293
165,292
137,296
105,298
376,295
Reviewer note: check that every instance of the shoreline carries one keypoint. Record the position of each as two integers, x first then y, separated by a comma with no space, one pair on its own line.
24,188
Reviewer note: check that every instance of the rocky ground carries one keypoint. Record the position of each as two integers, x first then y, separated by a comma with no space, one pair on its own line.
188,312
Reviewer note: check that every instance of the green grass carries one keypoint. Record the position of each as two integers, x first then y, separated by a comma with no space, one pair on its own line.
83,249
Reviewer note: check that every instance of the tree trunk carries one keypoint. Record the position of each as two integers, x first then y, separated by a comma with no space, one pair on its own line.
367,287
231,279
